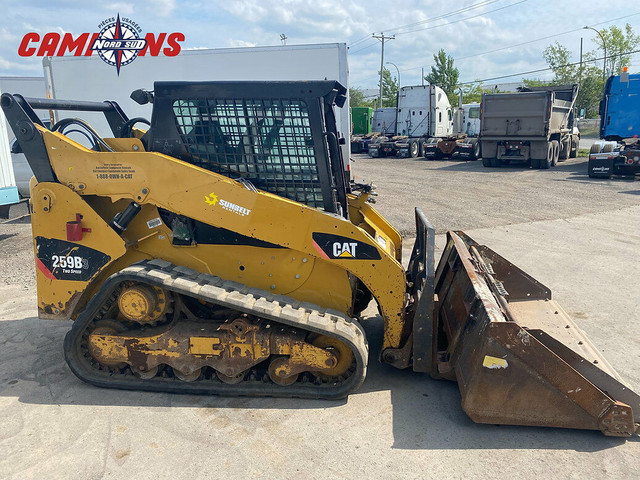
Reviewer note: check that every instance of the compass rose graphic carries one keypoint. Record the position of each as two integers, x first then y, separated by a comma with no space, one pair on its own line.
118,43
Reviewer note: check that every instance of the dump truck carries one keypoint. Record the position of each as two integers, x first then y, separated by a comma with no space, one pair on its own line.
220,250
536,126
619,153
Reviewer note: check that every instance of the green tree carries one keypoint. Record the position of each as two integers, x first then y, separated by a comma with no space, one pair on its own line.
618,42
588,76
444,75
558,57
356,97
389,89
472,93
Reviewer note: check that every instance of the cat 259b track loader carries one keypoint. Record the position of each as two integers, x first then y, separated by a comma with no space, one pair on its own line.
223,251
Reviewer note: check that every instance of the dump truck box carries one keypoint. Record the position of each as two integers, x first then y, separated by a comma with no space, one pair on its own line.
523,126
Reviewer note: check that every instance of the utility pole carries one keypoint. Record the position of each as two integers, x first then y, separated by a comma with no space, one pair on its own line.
580,74
422,77
382,38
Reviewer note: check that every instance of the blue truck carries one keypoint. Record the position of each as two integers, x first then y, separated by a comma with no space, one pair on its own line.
619,152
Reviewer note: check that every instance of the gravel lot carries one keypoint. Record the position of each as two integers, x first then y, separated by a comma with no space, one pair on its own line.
579,237
460,195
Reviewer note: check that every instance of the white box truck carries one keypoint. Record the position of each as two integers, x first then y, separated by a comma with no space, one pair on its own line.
89,78
8,189
16,162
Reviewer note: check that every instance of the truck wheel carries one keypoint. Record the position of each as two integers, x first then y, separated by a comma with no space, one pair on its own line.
574,148
595,148
565,150
476,150
414,149
495,162
486,162
556,152
535,163
546,162
421,149
608,148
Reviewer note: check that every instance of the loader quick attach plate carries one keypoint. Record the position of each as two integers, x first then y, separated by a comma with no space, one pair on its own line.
518,358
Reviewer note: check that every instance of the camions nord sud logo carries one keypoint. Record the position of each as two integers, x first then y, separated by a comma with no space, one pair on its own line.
118,43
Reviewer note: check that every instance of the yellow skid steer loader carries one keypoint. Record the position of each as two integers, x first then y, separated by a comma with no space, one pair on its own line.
224,251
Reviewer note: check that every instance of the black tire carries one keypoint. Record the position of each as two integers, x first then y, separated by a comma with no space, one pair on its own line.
595,148
535,163
565,151
546,162
414,149
421,152
608,148
575,146
477,150
556,152
495,162
486,162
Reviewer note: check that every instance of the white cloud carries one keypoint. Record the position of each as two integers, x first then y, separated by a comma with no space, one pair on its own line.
239,43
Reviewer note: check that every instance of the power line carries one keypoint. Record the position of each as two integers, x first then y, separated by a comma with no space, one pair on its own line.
463,19
474,6
445,15
547,69
542,38
531,41
445,24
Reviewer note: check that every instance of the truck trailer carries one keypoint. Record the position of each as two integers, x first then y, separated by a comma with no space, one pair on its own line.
536,126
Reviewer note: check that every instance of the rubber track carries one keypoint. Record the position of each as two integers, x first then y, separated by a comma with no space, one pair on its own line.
185,281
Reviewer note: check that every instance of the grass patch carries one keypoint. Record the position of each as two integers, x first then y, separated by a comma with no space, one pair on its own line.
590,132
583,152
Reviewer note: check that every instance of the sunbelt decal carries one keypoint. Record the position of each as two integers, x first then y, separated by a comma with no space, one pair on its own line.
336,247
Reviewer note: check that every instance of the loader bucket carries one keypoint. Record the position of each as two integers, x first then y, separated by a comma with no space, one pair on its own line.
517,356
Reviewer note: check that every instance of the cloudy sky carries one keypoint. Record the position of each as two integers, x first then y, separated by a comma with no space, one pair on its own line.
487,38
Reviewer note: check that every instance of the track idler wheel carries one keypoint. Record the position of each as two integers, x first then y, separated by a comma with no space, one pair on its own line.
143,304
340,350
277,372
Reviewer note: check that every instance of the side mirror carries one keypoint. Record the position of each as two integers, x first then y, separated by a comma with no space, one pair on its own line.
141,96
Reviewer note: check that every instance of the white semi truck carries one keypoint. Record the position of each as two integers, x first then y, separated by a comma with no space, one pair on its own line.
424,125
